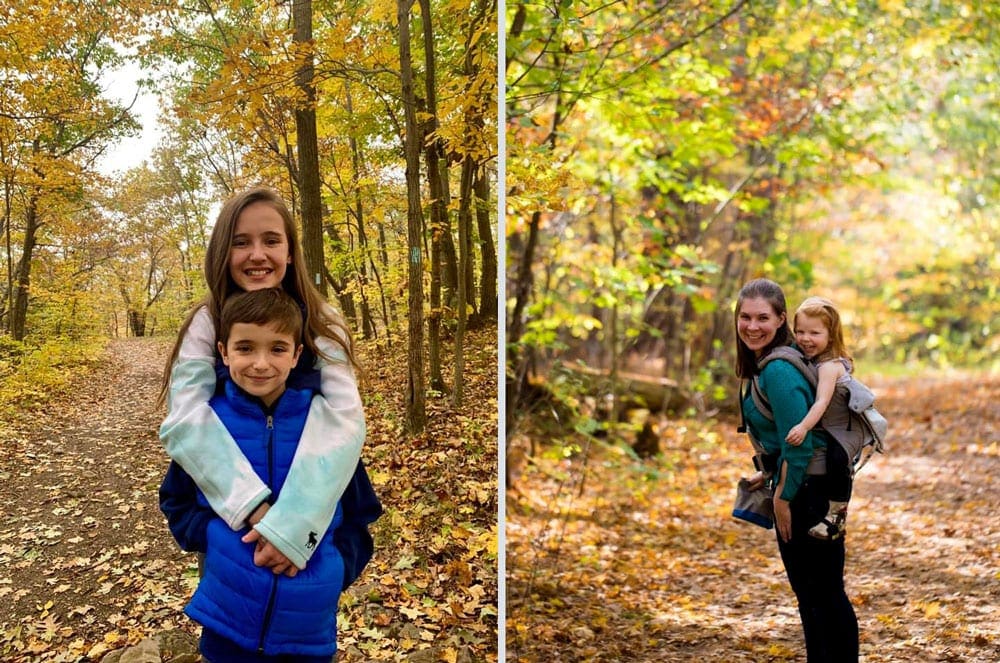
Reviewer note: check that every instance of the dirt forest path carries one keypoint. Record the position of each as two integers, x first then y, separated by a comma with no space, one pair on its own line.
645,563
86,556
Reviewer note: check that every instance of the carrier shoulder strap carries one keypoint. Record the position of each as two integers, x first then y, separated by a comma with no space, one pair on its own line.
792,356
817,464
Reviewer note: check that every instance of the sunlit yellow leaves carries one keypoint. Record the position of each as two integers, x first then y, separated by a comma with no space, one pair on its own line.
932,610
383,11
799,40
782,652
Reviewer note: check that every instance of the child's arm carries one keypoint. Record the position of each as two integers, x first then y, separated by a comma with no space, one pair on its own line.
324,461
826,383
361,508
195,437
188,520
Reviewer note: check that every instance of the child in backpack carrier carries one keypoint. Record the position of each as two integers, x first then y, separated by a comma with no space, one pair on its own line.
819,335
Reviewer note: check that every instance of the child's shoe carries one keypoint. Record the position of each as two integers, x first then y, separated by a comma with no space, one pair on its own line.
834,525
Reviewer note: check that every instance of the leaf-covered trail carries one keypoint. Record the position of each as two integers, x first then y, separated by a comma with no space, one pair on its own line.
645,564
82,539
89,566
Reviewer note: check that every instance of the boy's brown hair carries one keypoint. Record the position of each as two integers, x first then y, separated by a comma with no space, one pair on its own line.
269,306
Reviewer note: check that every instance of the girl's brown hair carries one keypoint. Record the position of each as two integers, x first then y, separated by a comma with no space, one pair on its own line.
823,309
771,292
321,319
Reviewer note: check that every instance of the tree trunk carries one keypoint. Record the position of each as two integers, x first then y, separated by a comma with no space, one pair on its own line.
474,125
487,249
439,204
137,323
308,151
388,314
22,278
344,297
416,409
518,357
449,257
464,226
367,323
437,311
8,186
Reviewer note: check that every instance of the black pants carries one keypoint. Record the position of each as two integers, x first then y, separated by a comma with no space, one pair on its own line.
838,472
815,571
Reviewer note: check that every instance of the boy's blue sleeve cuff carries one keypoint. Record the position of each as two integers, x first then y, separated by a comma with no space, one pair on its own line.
186,517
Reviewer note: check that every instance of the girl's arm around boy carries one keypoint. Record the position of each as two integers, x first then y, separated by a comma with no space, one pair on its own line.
323,465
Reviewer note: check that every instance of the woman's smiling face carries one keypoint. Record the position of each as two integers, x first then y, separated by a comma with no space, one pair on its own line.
757,323
259,255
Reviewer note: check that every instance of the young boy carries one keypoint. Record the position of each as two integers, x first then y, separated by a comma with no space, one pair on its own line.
250,612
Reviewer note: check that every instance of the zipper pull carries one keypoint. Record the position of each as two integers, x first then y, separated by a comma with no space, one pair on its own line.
270,421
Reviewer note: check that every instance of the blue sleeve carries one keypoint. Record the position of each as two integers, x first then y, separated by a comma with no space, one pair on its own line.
361,508
790,397
187,518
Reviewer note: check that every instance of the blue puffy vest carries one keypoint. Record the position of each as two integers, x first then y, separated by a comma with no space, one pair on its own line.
249,605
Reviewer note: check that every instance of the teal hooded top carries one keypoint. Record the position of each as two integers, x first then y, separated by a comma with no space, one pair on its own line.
790,396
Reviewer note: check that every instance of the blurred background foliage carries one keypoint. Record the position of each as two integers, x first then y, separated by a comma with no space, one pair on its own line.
661,154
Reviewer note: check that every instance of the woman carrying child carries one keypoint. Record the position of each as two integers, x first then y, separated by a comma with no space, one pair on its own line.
815,568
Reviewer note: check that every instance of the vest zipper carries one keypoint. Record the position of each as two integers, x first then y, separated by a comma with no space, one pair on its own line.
268,612
270,449
267,615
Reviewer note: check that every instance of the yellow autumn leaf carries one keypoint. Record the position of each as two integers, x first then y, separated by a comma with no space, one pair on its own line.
97,651
931,610
798,41
449,655
410,613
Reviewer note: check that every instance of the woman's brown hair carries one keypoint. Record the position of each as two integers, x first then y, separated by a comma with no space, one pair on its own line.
321,319
771,292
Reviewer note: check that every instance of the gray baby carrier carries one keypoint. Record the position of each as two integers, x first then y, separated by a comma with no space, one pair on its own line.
859,427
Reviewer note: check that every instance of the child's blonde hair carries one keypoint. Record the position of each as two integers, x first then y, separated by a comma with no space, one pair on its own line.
823,309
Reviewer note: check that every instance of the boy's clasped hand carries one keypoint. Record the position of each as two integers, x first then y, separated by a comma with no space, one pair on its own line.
265,553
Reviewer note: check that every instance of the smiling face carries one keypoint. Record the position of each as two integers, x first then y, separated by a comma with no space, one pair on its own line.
757,323
259,254
260,358
811,335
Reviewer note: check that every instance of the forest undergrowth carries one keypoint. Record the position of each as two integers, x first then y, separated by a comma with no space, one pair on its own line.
610,559
89,565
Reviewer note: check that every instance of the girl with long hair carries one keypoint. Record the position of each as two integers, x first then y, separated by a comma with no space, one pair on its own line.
255,245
